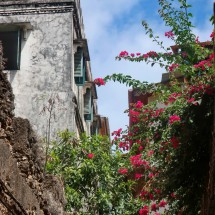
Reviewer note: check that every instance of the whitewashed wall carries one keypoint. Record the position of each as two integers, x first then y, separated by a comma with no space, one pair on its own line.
46,71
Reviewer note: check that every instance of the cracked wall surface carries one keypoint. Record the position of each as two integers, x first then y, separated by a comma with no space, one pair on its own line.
46,71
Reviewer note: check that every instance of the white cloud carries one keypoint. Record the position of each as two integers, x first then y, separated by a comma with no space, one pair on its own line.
99,15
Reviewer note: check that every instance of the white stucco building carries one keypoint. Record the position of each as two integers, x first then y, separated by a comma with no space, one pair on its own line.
48,64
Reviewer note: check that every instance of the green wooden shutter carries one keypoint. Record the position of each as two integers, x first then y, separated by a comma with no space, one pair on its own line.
87,102
88,106
89,117
79,70
79,62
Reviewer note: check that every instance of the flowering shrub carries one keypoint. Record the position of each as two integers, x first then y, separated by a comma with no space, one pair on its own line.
94,182
168,143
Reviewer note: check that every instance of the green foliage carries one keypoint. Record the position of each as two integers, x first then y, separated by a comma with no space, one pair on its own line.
170,137
89,170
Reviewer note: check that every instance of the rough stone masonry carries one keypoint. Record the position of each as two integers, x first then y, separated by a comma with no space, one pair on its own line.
24,189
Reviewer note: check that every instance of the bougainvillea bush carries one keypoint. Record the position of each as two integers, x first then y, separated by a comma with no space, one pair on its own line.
168,144
171,146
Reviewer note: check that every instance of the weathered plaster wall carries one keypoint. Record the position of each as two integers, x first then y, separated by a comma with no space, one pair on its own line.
46,70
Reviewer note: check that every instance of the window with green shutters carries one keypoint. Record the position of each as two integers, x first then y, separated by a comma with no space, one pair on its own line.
88,105
79,67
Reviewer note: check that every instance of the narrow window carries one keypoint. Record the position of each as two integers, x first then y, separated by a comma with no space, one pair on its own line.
11,41
79,70
88,109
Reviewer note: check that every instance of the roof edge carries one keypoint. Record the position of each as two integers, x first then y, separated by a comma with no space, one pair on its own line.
26,2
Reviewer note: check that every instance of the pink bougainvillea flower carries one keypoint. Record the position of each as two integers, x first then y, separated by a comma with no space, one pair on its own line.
139,104
157,191
154,207
174,118
99,81
124,146
152,54
169,34
212,35
173,195
209,90
138,141
162,203
158,112
204,64
132,54
144,210
123,54
137,161
151,175
123,171
138,53
175,142
211,57
143,193
173,67
117,133
145,56
192,101
137,176
151,196
141,148
150,153
173,97
90,156
121,144
134,113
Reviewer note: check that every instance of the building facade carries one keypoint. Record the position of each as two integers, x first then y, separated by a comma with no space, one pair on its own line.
48,64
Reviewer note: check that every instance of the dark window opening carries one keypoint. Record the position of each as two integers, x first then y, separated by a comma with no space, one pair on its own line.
11,41
80,67
88,106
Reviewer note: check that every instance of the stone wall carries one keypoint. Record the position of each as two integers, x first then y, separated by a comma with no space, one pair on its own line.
24,188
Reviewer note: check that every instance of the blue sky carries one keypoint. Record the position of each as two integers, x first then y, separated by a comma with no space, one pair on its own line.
112,26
